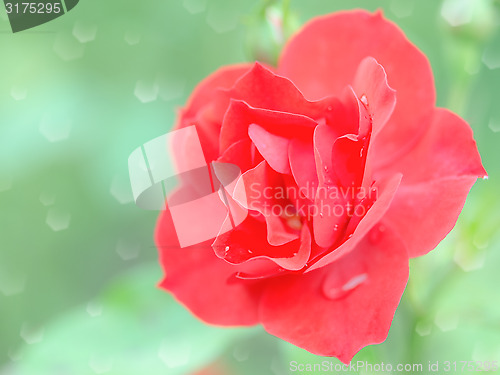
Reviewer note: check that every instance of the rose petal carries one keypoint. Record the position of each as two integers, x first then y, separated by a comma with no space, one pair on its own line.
370,84
335,45
438,174
446,149
198,110
206,291
265,193
272,147
385,189
423,214
240,115
343,307
242,244
303,167
240,153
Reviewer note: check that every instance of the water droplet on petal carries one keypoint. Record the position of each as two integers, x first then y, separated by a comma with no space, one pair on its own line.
364,100
376,234
338,289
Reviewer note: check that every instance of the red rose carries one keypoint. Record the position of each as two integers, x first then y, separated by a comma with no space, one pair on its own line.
348,170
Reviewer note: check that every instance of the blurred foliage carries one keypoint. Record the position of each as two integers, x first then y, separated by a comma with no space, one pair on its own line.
78,94
131,328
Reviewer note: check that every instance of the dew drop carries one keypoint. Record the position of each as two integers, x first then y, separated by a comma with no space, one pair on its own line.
55,127
361,152
47,199
15,355
11,283
94,309
329,108
31,334
446,321
146,92
58,220
364,100
195,6
132,38
423,328
67,47
100,364
174,353
84,33
18,93
121,190
5,183
336,227
241,354
222,20
226,249
128,250
337,291
376,234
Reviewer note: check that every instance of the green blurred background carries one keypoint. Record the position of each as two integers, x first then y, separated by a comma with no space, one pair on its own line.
77,259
